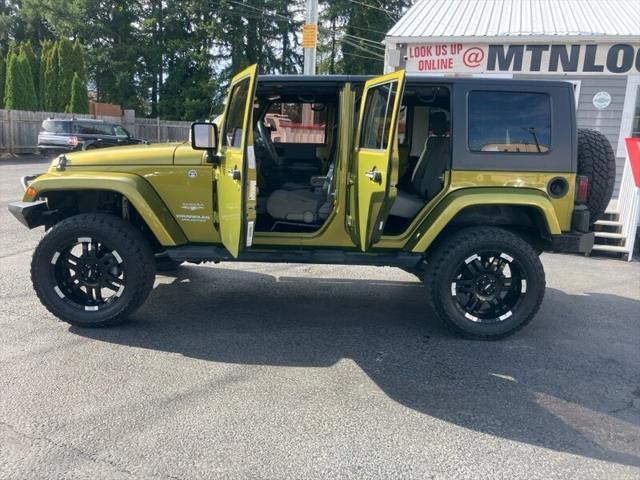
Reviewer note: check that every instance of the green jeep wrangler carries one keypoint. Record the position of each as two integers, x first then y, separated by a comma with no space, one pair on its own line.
461,181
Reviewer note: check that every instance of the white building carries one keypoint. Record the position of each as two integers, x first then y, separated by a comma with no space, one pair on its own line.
593,43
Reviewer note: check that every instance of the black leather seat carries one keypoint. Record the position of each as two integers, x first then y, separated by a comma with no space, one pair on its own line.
427,177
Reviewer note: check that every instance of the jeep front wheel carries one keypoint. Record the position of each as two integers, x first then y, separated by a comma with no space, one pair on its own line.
485,282
93,270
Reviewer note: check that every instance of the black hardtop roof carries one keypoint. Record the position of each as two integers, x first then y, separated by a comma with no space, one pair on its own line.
412,79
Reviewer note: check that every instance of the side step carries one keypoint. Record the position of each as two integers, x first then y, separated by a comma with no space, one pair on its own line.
610,223
211,253
610,248
617,236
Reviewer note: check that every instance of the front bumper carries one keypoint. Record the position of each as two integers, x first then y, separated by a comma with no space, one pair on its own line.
30,214
573,242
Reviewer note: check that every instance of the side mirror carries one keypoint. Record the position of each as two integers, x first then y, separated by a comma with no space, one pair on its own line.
204,136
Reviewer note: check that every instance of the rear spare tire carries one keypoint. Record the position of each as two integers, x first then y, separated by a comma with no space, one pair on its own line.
597,161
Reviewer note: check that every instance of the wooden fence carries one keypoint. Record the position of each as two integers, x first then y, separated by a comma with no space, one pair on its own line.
19,129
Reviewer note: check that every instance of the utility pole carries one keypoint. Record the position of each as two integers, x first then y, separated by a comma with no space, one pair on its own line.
309,41
310,37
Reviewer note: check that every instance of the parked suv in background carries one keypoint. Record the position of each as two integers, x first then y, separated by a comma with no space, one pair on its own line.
63,135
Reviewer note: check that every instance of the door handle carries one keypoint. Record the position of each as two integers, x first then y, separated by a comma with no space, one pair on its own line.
374,176
234,173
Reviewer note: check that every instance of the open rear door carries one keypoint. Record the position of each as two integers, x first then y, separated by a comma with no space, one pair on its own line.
375,166
236,176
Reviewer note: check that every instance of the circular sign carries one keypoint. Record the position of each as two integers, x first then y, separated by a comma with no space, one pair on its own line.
601,100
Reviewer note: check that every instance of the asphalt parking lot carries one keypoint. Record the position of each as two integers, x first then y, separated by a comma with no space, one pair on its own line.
294,371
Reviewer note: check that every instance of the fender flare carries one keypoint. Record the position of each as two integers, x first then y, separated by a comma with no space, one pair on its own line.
134,188
436,221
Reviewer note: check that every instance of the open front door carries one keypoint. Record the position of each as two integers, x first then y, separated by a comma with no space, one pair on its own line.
236,175
375,166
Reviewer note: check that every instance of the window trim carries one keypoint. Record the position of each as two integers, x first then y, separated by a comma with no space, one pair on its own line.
223,133
549,150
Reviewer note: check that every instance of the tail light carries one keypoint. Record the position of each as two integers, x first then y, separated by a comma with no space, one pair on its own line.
582,189
73,141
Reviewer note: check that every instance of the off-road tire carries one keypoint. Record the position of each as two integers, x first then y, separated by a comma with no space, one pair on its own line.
450,254
597,161
137,262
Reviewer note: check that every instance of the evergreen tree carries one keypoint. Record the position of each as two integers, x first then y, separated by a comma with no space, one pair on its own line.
12,89
3,69
27,50
65,73
29,99
42,67
19,92
51,89
79,97
78,60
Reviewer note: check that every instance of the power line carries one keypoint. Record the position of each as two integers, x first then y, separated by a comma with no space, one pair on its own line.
380,9
273,15
376,59
359,47
258,13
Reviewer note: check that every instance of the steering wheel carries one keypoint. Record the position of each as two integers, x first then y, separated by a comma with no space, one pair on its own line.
264,142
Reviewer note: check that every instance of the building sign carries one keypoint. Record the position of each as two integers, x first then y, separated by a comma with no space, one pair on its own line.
618,58
601,100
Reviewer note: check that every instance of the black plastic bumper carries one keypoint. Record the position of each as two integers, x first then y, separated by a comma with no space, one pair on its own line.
30,214
573,242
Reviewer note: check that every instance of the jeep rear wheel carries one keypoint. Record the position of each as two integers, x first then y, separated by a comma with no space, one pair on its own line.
92,270
485,282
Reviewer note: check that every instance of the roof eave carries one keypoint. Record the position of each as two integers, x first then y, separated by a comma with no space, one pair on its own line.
391,40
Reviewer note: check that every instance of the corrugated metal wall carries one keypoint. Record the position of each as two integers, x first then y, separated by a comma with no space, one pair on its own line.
608,120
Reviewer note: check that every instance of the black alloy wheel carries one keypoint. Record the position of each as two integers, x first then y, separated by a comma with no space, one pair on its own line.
88,274
488,286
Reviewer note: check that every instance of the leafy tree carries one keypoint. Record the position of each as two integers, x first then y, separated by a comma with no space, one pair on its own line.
79,97
174,59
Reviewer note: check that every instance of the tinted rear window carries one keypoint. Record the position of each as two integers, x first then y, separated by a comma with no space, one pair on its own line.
93,128
56,126
511,122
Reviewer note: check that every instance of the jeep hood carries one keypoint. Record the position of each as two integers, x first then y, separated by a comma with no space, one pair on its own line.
153,154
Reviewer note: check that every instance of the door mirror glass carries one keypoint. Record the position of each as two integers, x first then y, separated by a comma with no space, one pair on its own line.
204,136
